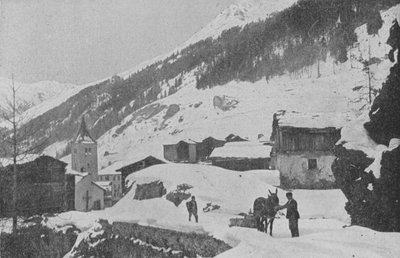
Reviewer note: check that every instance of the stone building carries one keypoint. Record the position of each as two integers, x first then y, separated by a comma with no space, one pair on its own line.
303,149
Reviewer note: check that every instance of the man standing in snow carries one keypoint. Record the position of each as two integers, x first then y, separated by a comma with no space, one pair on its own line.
292,214
192,209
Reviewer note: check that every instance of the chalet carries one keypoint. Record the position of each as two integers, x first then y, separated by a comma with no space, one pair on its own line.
303,149
242,156
182,151
43,186
205,147
137,166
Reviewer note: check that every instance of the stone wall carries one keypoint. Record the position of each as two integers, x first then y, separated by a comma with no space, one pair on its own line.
295,172
151,190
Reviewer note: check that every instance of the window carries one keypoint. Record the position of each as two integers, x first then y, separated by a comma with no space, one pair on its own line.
88,165
312,163
83,169
107,178
88,151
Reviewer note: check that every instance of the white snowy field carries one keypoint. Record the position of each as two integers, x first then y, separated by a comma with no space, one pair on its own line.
323,231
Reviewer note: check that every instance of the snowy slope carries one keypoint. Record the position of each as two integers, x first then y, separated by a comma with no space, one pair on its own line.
340,93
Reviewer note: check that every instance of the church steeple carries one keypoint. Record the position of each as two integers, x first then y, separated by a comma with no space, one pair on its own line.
83,134
84,152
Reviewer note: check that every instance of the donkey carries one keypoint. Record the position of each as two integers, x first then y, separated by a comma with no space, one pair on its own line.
264,211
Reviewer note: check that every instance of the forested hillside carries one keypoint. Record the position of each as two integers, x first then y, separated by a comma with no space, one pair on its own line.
288,41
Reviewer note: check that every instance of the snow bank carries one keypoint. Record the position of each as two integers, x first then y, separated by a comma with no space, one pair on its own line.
242,150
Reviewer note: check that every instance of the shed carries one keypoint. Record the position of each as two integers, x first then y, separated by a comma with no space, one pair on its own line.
242,156
182,151
205,148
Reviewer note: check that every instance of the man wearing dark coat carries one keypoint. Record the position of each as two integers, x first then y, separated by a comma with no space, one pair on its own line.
292,214
192,209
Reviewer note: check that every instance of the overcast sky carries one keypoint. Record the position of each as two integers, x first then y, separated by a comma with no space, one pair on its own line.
80,41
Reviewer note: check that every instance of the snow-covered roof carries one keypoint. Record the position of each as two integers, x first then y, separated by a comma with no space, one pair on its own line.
99,186
311,120
25,159
106,185
189,141
242,150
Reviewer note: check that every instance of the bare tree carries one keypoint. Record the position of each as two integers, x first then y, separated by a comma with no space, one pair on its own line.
16,143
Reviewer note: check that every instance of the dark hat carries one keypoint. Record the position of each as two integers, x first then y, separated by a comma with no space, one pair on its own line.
289,194
193,197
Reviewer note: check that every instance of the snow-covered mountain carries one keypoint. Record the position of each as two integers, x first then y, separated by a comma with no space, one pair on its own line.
35,98
30,95
240,14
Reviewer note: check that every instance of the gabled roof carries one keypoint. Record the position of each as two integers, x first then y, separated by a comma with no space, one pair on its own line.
310,120
28,159
150,157
188,141
99,186
83,134
106,185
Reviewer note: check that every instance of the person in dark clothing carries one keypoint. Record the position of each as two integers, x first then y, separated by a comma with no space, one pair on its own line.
192,209
292,214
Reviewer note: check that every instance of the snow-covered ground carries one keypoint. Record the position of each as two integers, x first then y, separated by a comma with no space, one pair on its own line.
323,231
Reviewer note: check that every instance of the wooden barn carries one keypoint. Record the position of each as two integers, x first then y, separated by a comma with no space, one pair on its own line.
42,186
205,148
242,156
137,166
303,149
182,151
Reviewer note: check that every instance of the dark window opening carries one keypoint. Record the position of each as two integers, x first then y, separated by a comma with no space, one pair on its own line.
312,163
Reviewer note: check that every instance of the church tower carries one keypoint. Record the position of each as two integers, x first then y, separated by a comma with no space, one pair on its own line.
84,152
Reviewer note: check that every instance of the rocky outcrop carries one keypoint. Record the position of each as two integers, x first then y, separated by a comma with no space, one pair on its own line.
151,190
374,201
